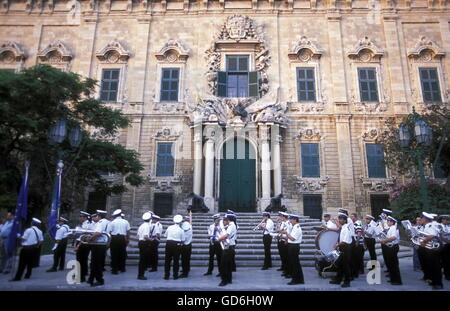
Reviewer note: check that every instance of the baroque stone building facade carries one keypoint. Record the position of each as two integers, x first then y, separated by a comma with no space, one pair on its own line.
305,85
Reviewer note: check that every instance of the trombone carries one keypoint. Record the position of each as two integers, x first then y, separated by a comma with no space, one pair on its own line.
257,226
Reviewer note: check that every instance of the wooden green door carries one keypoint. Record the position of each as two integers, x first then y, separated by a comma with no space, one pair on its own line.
238,179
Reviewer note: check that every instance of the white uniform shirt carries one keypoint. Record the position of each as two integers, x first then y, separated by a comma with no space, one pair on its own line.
284,226
232,233
174,233
351,226
101,227
32,236
345,234
370,229
118,226
393,232
330,224
88,225
430,229
269,227
143,230
445,231
296,233
213,236
62,232
155,228
187,228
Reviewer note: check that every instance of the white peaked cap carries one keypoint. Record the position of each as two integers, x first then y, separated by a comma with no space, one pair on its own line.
36,221
117,212
177,219
146,216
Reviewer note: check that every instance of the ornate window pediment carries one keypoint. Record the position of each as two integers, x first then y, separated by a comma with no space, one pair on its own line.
372,134
365,51
308,134
55,53
173,51
304,50
426,50
167,134
11,52
112,53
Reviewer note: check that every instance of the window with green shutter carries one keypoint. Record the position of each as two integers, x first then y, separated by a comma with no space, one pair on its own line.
169,84
310,160
430,85
375,158
306,87
164,160
368,84
237,80
109,85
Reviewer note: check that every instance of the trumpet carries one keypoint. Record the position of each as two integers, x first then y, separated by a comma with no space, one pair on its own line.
84,234
257,226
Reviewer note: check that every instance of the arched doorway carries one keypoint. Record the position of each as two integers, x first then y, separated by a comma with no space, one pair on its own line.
237,176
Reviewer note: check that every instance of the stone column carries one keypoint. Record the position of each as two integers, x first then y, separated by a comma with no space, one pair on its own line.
209,174
198,155
276,160
265,166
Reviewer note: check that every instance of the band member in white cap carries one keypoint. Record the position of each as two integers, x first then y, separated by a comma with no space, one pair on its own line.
369,237
282,241
82,249
391,242
98,251
357,265
59,251
175,237
295,236
186,247
327,223
31,239
156,230
228,236
382,223
119,229
143,235
267,226
214,244
432,263
344,246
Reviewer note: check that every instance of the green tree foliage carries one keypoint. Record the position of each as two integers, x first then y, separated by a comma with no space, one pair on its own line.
31,102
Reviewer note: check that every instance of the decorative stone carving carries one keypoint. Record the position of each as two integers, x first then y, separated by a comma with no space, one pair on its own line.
372,134
426,50
379,184
371,107
307,107
163,184
237,27
173,51
113,52
11,52
56,52
304,50
308,133
311,184
365,51
167,134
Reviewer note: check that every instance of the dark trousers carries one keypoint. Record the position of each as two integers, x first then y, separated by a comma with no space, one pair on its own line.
27,259
383,253
186,251
393,264
370,244
82,257
233,260
267,241
282,250
433,266
343,264
144,257
154,254
445,260
118,253
295,268
98,253
173,250
226,271
422,260
59,255
214,250
357,259
37,256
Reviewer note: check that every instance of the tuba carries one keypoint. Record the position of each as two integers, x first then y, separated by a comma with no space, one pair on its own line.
225,244
417,236
84,234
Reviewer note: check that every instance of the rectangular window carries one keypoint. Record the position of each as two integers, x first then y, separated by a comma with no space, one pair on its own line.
169,84
368,84
430,85
237,80
306,86
110,85
165,160
375,157
312,205
310,160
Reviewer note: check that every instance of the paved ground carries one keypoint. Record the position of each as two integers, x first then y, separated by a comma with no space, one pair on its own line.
244,279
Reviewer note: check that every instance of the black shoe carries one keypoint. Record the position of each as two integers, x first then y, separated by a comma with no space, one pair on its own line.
287,276
61,269
183,276
123,271
166,277
295,282
335,282
208,273
82,280
153,270
437,287
280,269
27,276
234,270
175,277
396,283
114,272
51,270
223,283
345,285
91,282
98,284
218,274
264,268
142,278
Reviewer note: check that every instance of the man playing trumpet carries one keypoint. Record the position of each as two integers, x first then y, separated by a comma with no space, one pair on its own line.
267,226
282,241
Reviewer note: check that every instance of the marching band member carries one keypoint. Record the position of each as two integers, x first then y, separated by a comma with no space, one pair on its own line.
327,223
445,239
143,235
432,263
391,251
267,226
358,248
417,264
156,230
175,237
59,252
382,223
31,239
119,229
98,251
369,239
282,241
186,247
344,245
82,250
294,239
214,244
228,236
234,221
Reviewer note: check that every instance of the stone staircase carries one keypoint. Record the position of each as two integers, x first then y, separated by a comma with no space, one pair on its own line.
249,248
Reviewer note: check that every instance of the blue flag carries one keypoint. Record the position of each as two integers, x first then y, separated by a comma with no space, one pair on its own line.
52,220
20,214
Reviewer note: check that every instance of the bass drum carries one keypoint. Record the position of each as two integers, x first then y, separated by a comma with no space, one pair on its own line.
325,241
